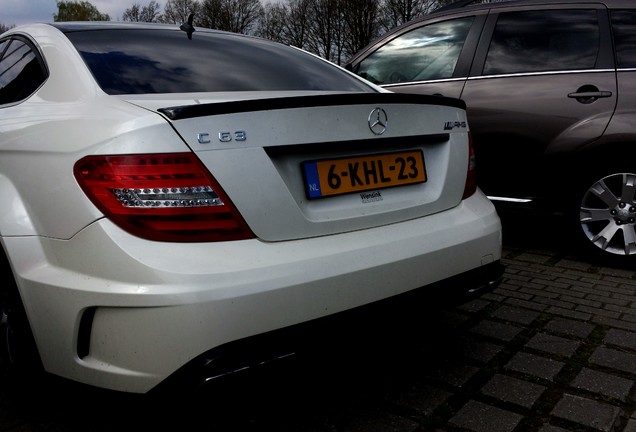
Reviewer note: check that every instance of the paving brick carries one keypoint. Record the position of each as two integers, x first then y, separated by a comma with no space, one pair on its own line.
582,301
553,344
381,422
614,359
617,301
596,289
453,374
567,291
603,383
480,351
474,306
550,428
630,426
584,275
513,390
526,304
621,338
614,272
570,327
571,264
531,364
569,313
547,282
502,291
572,282
496,330
423,399
587,412
516,315
533,258
479,417
621,309
491,296
622,324
539,291
552,303
599,311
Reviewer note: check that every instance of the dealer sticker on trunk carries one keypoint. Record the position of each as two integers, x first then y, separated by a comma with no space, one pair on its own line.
330,177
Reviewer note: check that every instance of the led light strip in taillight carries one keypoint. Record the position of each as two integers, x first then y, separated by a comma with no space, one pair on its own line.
196,196
165,197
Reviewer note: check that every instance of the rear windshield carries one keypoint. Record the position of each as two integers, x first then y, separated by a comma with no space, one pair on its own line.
143,61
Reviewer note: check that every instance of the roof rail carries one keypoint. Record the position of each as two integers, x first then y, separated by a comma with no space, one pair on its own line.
454,5
462,3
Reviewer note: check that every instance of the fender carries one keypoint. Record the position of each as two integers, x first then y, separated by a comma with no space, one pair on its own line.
14,217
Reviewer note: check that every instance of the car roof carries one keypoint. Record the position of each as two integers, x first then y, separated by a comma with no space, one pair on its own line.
114,25
465,5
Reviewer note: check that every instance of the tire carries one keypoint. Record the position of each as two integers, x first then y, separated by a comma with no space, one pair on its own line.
18,351
605,212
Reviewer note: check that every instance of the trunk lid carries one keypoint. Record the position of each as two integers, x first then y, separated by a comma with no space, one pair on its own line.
396,157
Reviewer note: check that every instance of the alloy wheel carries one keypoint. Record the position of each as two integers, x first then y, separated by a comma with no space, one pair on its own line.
608,214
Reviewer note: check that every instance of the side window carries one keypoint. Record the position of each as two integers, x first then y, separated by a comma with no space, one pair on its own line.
20,72
426,53
624,28
549,40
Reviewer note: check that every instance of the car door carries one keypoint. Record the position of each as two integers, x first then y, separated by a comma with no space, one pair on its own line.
543,84
429,56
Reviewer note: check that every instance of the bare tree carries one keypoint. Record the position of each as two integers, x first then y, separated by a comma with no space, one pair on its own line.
238,16
298,24
361,20
137,13
398,12
326,27
273,22
178,11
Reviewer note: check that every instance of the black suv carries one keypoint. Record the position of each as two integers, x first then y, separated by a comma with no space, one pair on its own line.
551,94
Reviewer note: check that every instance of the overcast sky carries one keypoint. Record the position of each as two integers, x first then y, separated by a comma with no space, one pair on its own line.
26,11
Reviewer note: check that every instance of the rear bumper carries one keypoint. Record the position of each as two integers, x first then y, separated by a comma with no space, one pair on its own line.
326,336
115,311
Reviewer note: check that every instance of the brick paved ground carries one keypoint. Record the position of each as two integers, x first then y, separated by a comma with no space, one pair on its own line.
552,349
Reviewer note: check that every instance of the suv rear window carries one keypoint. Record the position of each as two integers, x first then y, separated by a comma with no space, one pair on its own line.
539,41
144,61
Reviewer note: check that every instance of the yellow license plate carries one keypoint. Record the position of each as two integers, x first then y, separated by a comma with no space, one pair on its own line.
331,177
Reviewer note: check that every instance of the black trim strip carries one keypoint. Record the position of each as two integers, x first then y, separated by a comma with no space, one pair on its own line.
84,333
354,146
202,110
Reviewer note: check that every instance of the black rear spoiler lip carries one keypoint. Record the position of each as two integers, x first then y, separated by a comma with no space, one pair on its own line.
202,110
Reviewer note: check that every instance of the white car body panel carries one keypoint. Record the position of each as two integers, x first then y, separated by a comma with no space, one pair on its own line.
157,305
150,295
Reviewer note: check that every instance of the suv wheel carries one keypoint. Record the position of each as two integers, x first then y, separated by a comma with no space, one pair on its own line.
607,214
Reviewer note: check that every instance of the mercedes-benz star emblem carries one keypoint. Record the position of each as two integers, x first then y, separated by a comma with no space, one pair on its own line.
378,121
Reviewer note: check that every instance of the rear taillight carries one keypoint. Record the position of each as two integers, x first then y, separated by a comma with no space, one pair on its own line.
471,177
164,197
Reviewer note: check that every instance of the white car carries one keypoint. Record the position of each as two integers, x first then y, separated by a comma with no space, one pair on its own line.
170,194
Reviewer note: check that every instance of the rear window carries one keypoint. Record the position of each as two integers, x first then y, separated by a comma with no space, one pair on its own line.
143,61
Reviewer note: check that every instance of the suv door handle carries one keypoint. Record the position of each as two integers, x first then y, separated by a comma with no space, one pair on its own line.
598,94
588,94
